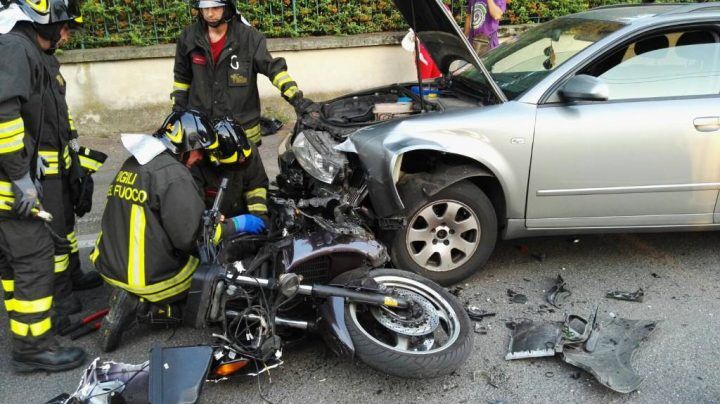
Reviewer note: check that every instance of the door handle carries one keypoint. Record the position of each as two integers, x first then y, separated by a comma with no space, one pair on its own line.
707,123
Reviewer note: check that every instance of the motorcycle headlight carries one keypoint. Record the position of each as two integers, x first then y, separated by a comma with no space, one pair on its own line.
317,157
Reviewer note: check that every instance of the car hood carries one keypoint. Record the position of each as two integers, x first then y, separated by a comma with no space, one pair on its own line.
442,37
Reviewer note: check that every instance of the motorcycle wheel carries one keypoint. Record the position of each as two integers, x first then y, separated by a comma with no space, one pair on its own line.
419,346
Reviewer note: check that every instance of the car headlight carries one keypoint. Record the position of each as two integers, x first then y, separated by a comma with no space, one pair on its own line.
317,156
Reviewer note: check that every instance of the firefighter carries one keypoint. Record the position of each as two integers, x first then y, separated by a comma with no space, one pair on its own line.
68,188
217,60
29,34
147,246
239,161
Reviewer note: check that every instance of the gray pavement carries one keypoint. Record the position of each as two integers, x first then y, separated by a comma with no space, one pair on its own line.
678,361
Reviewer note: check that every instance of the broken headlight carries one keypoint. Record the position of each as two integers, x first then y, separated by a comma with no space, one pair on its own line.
314,151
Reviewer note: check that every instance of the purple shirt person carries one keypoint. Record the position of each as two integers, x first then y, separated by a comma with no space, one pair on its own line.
481,23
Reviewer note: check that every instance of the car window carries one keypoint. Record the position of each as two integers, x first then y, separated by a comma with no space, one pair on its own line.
518,65
672,64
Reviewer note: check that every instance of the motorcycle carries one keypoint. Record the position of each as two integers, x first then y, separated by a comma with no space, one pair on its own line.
319,270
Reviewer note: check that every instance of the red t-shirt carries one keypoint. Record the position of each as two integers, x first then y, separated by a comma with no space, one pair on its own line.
217,47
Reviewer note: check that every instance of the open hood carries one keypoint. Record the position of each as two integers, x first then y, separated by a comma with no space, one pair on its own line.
444,40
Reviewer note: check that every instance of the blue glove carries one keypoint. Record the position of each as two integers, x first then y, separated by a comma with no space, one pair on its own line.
248,224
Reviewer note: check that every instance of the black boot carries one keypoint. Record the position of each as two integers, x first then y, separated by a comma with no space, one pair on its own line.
85,281
51,360
122,315
67,306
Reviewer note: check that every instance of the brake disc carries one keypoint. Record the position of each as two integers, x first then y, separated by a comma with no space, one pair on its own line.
424,324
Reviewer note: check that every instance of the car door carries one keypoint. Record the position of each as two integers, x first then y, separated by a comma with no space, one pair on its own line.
647,156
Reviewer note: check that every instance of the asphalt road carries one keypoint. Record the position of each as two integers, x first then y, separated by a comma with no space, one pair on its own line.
679,272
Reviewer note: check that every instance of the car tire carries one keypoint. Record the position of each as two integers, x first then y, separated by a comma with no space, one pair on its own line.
451,247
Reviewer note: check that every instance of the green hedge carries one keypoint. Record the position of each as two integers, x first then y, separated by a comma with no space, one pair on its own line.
148,22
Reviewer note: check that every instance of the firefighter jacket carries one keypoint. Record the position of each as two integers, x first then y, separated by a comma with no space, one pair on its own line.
58,127
247,185
29,106
149,229
228,88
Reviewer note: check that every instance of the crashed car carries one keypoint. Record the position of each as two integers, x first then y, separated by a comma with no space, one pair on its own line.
601,121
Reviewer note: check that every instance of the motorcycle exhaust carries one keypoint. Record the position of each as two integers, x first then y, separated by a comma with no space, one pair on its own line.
328,291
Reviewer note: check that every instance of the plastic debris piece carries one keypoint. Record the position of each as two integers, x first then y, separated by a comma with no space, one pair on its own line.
558,294
476,314
516,297
637,296
533,340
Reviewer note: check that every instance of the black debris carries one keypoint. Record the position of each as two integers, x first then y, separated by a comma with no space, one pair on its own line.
526,279
540,257
476,314
378,391
654,275
516,297
575,375
549,374
455,290
557,294
637,296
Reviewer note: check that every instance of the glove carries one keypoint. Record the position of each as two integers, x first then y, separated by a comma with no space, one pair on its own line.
62,245
248,224
27,195
303,105
42,165
83,204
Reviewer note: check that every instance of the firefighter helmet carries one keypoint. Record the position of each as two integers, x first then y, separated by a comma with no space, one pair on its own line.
230,9
45,12
233,144
184,131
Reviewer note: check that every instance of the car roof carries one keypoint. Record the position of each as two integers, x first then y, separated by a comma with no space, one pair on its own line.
635,13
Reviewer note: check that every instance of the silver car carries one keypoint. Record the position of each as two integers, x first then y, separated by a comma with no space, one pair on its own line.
602,121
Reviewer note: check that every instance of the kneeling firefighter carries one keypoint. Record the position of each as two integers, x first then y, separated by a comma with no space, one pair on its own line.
153,217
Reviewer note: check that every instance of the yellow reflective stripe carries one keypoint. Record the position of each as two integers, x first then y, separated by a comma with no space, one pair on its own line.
96,251
257,207
29,306
215,145
72,238
8,285
66,157
5,188
19,328
164,289
136,247
11,128
62,262
253,130
71,122
283,77
36,329
290,92
90,164
12,144
230,159
178,86
218,234
4,201
50,155
257,193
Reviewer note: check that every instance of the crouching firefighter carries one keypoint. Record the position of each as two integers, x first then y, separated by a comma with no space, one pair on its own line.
153,217
29,33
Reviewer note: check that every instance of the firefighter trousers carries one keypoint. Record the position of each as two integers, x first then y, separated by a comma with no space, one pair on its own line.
26,269
57,200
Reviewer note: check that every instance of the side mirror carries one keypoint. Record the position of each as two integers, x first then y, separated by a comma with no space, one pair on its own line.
585,88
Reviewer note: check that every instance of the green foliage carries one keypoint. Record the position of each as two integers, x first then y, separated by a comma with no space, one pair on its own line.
149,22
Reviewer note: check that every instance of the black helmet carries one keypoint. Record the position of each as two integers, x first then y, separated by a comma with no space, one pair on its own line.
234,146
230,9
46,12
184,131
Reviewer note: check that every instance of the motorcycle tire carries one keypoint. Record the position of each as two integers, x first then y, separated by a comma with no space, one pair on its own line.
373,341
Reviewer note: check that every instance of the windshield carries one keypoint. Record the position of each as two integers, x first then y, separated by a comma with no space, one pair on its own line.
518,65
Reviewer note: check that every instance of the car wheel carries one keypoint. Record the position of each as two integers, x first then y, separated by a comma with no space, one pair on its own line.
448,237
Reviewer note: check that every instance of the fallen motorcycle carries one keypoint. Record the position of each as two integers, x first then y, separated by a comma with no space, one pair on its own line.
314,274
